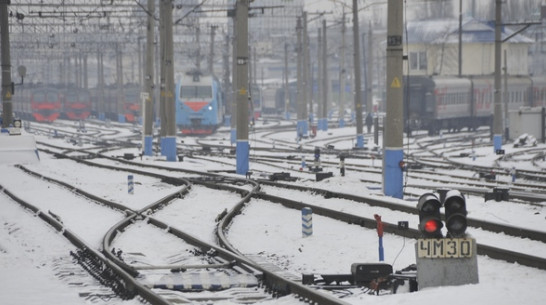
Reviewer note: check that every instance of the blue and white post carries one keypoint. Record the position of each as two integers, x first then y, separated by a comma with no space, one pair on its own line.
306,222
130,184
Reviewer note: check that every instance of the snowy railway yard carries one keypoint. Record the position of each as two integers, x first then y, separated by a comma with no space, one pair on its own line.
194,195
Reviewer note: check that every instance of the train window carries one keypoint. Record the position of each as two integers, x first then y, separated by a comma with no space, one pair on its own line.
51,96
195,92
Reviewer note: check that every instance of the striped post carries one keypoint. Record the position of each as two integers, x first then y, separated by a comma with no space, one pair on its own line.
130,184
306,222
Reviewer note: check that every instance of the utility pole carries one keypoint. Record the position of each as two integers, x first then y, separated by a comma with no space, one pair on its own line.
211,55
505,98
85,77
242,148
198,51
286,89
497,116
460,38
7,113
226,82
319,75
393,154
306,75
168,141
149,81
358,89
325,80
234,86
100,86
342,74
120,94
300,128
369,68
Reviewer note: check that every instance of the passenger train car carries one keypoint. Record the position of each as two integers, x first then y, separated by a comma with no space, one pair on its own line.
281,95
453,103
199,104
76,104
121,105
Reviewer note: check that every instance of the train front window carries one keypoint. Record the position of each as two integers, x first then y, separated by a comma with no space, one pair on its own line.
71,98
52,97
195,92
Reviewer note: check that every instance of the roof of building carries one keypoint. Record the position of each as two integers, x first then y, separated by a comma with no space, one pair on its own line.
447,31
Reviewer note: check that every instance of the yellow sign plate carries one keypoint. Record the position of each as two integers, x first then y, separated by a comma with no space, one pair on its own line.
395,83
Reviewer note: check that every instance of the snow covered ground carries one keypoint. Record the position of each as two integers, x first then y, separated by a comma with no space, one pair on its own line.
27,273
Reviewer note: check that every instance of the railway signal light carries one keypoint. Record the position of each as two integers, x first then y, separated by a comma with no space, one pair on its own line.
430,222
455,213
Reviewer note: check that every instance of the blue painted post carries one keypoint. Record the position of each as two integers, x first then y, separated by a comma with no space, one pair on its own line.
392,172
497,142
233,136
168,147
242,154
360,141
148,145
306,222
380,235
130,184
381,254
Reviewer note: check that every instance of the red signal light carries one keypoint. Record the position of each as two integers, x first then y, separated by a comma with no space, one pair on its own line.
430,219
432,226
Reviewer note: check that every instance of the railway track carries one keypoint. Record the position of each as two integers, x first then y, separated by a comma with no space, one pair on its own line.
490,226
200,177
222,259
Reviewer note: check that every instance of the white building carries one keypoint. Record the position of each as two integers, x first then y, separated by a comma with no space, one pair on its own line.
433,48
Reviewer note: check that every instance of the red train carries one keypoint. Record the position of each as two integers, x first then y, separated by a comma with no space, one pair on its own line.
76,104
45,104
114,108
48,103
131,105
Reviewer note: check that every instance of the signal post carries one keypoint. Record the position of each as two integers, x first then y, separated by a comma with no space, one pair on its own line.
444,261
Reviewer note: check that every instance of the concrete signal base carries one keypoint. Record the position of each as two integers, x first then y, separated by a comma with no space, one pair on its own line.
446,262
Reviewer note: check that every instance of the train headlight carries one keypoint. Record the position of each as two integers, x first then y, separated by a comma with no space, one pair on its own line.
210,108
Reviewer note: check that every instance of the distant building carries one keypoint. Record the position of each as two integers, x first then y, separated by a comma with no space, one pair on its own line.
433,48
537,52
